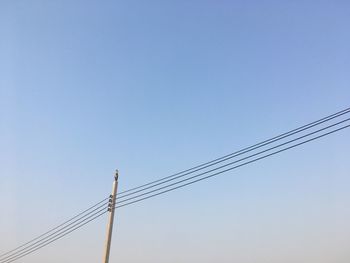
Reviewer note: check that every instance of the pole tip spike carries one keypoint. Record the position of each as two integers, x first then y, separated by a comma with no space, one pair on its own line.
116,175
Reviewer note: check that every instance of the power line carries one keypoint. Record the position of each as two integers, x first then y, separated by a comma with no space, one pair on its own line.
96,215
56,233
236,153
231,163
163,180
53,239
183,175
60,233
232,168
60,227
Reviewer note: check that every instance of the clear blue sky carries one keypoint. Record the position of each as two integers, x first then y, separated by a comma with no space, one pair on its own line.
153,87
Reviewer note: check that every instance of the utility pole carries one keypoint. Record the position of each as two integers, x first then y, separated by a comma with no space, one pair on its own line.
111,208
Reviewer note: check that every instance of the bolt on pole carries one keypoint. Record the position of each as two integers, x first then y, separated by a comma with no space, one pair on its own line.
111,209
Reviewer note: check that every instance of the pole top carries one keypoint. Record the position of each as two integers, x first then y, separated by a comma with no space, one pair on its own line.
116,175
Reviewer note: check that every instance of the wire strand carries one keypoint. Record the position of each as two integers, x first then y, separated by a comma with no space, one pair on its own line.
53,236
237,153
97,205
53,240
228,164
232,168
77,223
94,216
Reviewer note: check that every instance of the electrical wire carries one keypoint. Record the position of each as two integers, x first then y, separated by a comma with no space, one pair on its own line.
60,233
231,168
62,226
76,226
39,246
234,154
225,165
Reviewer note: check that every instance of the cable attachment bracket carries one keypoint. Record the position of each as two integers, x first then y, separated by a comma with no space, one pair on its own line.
110,203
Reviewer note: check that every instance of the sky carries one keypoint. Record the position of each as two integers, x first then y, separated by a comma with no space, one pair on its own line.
155,87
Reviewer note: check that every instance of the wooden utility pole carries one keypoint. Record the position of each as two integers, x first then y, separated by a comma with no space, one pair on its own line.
111,208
